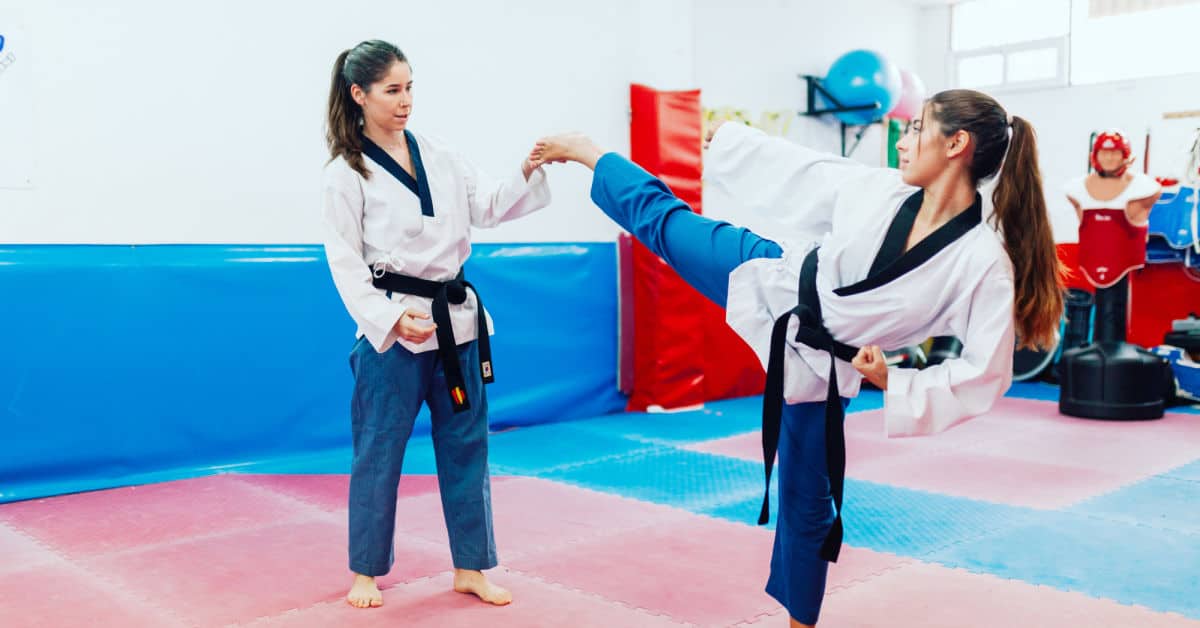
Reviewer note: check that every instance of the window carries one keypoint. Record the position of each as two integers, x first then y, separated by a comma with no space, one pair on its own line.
1047,43
1038,64
1010,43
1116,40
981,70
990,23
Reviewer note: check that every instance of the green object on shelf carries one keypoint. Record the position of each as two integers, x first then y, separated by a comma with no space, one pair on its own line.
895,129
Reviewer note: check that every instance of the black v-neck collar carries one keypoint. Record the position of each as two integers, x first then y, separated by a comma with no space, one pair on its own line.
893,261
892,248
419,185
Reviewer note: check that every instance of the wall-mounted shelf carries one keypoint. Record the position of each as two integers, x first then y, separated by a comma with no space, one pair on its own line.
814,86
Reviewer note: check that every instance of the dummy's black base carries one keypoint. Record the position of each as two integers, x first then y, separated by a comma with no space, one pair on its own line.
1113,380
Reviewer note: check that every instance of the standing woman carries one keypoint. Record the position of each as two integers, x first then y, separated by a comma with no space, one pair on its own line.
398,209
910,254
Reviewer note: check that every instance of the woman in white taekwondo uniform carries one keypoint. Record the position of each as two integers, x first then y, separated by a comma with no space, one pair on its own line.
398,210
909,255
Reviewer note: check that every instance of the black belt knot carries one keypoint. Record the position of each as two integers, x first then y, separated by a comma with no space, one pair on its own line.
445,294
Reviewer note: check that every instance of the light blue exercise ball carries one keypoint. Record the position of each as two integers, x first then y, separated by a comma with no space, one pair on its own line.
861,77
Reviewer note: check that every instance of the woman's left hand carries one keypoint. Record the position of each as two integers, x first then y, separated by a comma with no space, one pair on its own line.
871,363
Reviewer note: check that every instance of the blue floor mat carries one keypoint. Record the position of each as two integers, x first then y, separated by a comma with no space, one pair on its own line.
1162,502
893,519
717,419
418,460
747,510
914,523
1189,472
534,450
1128,563
1049,392
867,399
684,479
1034,390
676,428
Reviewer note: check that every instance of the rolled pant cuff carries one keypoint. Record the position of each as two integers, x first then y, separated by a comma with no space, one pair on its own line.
475,563
370,570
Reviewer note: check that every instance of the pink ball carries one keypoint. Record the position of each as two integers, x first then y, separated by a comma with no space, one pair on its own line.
912,96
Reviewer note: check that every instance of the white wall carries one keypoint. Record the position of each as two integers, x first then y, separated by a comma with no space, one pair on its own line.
750,55
933,48
202,122
1065,118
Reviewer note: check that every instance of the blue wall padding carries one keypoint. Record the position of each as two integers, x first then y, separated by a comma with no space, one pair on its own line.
123,364
555,311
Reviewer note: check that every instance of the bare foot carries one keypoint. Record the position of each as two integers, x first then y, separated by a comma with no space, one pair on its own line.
365,593
468,581
567,147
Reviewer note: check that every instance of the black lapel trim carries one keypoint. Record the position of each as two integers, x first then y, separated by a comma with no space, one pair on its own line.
422,180
418,186
945,235
892,248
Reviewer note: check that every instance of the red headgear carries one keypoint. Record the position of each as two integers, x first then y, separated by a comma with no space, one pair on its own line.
1111,140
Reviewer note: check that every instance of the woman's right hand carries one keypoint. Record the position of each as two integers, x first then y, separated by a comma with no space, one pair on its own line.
411,330
566,147
871,362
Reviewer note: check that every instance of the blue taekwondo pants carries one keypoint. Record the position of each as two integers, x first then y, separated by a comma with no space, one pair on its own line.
389,389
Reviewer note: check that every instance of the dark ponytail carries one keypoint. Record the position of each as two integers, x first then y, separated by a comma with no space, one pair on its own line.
1021,209
362,65
1020,206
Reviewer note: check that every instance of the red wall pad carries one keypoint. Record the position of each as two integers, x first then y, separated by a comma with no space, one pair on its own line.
683,353
1159,294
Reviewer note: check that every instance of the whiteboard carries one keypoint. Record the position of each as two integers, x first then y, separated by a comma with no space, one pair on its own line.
16,104
1171,140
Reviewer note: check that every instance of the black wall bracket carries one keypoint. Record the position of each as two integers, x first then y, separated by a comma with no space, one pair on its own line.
814,85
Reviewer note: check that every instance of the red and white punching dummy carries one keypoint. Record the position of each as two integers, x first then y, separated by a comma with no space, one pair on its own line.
1113,204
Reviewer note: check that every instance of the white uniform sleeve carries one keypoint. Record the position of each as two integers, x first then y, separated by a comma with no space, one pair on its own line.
931,400
492,202
1076,190
794,186
375,314
1143,186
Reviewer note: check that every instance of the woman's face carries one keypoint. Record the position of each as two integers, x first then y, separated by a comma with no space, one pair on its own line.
387,103
922,150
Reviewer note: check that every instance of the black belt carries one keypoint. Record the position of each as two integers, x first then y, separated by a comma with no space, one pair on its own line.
443,294
813,334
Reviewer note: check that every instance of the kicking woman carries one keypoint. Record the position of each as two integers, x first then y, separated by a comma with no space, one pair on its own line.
911,254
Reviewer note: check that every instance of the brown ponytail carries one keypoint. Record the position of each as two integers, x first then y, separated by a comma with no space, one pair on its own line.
1020,206
362,65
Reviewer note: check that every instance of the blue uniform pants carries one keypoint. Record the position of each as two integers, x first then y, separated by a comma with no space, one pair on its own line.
389,389
703,252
